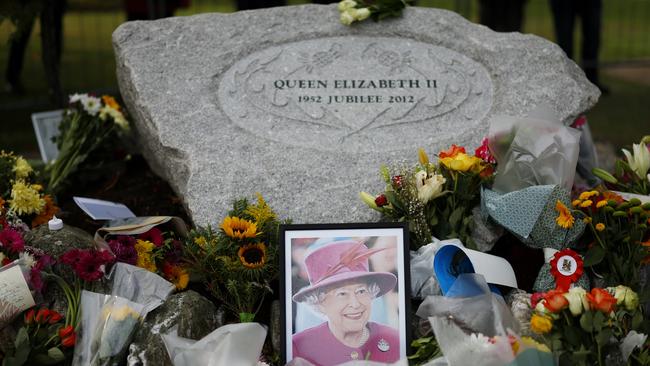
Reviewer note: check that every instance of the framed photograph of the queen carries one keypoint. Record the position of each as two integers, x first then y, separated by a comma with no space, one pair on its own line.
345,292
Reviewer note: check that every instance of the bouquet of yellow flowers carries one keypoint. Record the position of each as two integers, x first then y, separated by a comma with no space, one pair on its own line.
435,199
20,196
86,125
237,263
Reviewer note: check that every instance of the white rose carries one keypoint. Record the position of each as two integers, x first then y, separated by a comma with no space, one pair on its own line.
577,300
346,17
347,4
362,14
625,296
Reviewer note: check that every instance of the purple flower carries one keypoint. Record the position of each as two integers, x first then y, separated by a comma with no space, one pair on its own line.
123,247
12,241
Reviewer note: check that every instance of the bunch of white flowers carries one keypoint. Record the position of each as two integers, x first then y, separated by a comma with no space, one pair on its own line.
350,13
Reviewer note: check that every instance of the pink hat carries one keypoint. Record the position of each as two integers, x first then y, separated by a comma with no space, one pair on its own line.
342,261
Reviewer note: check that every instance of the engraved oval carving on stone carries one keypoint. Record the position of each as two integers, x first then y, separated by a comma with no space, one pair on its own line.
356,93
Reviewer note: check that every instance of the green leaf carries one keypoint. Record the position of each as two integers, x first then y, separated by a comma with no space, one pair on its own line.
603,337
637,320
598,321
22,345
456,216
394,200
586,321
594,256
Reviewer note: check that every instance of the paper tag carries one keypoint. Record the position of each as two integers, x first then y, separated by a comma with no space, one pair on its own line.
103,210
15,296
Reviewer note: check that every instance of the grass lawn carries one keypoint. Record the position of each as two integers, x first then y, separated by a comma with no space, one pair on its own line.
88,63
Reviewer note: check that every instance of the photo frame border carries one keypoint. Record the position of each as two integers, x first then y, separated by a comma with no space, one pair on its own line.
343,226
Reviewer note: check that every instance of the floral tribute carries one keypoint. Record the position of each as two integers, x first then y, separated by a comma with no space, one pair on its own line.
20,196
436,199
583,328
156,251
238,262
87,124
355,11
632,174
618,239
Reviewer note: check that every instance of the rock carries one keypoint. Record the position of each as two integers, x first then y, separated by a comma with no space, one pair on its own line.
55,243
194,315
288,102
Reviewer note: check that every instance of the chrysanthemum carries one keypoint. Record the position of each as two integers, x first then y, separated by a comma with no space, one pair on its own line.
145,259
25,200
237,228
92,105
47,213
586,203
587,194
252,255
22,168
565,219
600,226
601,203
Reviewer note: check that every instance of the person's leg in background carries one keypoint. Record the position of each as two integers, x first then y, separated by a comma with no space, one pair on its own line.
564,15
17,47
591,14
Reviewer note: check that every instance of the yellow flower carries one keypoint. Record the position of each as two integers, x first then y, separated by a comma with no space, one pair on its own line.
575,203
25,200
565,219
201,241
176,275
145,259
261,212
252,255
237,228
601,203
22,168
600,226
587,220
586,204
423,157
120,313
529,342
460,162
540,324
587,194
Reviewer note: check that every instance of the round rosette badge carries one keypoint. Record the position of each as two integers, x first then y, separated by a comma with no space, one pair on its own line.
566,267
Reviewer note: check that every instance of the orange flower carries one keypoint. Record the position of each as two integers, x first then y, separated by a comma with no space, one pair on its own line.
50,209
555,301
602,300
565,219
609,195
111,102
451,152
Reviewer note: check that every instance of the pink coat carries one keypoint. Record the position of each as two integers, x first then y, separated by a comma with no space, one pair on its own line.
319,346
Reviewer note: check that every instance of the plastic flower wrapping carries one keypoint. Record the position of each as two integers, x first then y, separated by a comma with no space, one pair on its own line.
476,327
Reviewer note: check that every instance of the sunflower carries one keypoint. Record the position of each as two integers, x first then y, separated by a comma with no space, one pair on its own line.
565,219
252,255
237,228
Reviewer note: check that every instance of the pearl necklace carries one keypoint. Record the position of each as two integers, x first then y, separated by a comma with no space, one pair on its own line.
364,336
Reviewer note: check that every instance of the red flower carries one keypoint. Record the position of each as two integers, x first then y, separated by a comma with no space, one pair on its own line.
381,200
55,317
12,240
154,235
555,301
397,181
88,268
484,152
536,298
71,257
579,122
29,316
601,300
451,152
68,336
42,316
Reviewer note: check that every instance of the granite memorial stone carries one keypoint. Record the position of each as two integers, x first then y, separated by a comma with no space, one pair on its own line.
290,103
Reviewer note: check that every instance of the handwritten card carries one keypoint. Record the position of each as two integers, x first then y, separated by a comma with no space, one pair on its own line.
15,296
